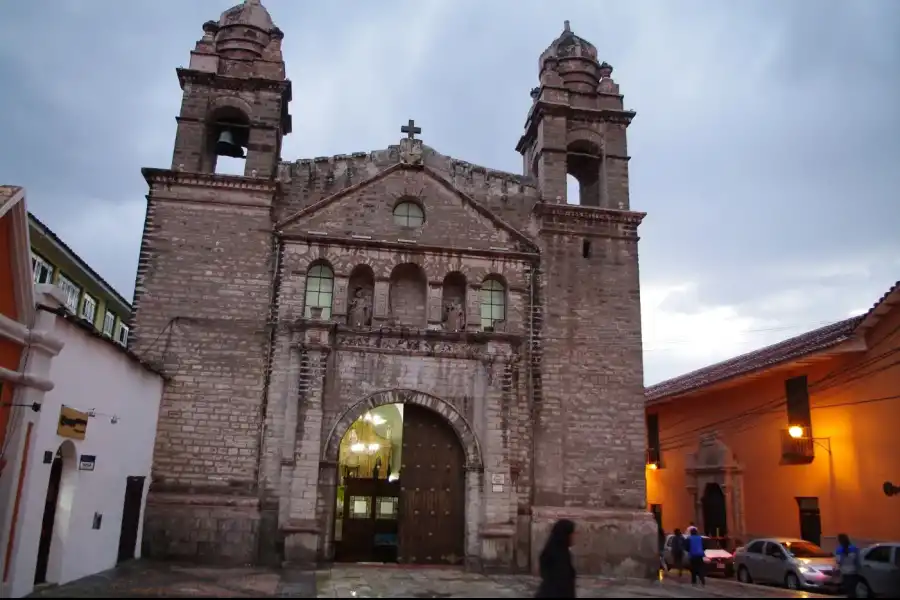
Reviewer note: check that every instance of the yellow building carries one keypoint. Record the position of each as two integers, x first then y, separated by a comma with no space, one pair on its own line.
87,294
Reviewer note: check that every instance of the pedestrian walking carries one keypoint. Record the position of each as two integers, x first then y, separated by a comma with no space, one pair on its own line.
678,552
847,556
696,555
556,568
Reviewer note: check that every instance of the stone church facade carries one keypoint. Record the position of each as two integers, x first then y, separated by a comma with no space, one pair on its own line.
286,302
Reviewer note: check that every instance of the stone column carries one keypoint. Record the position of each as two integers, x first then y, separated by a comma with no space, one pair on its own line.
435,305
473,308
498,528
301,531
381,308
339,301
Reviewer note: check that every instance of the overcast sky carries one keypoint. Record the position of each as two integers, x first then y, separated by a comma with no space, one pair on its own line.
766,150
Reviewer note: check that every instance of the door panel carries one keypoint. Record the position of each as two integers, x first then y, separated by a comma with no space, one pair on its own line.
131,517
432,490
369,520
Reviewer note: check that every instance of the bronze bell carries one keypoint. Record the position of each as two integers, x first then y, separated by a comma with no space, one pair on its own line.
225,146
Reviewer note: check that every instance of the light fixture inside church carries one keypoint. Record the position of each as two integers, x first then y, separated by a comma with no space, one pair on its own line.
373,419
360,448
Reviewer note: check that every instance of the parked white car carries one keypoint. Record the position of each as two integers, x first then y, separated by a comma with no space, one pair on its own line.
718,561
879,571
795,564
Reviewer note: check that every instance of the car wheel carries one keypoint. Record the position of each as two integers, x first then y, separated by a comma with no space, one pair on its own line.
862,589
744,575
791,582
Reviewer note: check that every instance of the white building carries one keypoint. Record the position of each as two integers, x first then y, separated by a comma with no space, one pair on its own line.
78,453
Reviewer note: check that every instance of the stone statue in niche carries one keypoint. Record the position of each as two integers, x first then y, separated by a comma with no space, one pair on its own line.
454,316
360,312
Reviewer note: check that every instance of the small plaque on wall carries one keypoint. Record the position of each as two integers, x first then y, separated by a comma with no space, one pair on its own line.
86,462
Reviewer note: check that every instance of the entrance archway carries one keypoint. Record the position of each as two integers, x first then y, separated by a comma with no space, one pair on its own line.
439,481
715,513
57,508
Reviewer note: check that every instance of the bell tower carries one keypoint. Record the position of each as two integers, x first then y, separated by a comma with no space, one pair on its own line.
204,291
576,126
586,357
235,95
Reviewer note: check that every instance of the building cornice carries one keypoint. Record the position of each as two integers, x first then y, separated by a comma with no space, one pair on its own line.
542,109
192,76
170,177
324,239
589,213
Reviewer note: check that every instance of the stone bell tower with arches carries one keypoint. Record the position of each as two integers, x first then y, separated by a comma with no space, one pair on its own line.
235,95
587,366
205,288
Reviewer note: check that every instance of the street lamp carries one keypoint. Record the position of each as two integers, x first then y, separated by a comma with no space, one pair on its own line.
795,431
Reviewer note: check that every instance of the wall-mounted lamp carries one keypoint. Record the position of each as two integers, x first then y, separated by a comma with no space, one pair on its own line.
652,466
797,432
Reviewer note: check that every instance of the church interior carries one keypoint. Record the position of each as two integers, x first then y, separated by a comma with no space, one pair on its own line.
366,515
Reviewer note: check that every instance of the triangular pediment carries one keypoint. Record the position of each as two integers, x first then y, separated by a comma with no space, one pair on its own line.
452,219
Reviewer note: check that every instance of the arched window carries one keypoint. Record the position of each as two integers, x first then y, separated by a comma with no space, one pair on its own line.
319,290
493,303
408,214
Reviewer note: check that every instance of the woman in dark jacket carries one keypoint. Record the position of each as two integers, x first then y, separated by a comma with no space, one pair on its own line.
557,571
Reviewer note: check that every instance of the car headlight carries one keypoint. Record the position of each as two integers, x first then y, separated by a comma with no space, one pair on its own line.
807,570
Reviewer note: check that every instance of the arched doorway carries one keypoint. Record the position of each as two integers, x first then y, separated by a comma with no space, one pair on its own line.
53,524
715,514
409,506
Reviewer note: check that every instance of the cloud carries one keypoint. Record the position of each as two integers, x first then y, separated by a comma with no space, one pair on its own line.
764,150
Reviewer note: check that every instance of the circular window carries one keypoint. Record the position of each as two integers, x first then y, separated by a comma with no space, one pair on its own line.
408,214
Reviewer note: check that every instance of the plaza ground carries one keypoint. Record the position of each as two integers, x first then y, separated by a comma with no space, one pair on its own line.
147,579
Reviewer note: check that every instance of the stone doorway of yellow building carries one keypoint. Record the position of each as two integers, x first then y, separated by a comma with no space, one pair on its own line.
715,513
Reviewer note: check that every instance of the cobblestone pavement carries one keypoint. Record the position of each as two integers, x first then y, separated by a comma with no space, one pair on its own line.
346,581
146,579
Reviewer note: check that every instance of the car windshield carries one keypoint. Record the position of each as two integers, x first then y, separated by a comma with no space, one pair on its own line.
710,544
805,550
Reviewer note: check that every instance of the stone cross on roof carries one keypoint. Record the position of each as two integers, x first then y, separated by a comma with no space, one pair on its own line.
410,129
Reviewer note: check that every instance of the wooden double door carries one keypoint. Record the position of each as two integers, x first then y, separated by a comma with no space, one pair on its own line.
420,518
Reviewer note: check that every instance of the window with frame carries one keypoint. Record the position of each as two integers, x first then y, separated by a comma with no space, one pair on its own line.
319,291
122,338
88,308
409,214
493,303
43,271
879,554
756,547
72,292
109,324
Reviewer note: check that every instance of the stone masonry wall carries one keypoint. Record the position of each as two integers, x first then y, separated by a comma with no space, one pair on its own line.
509,196
201,311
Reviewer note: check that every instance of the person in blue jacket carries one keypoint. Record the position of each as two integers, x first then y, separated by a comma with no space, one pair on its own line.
847,556
696,556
